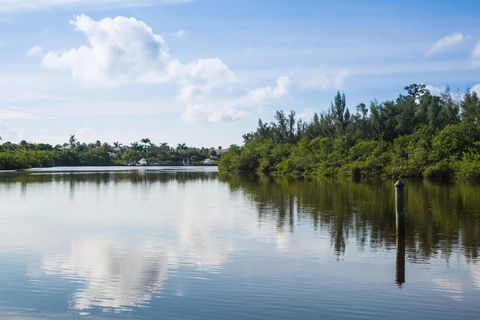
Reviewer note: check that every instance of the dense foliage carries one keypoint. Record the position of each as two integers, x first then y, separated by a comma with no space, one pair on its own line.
417,135
28,155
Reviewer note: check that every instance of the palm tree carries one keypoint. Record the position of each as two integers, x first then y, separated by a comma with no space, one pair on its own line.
72,140
136,146
181,146
146,141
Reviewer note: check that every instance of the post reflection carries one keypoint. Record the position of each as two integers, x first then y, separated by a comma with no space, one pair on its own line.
400,259
400,234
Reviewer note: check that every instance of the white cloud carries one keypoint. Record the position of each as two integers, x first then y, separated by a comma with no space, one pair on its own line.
476,88
201,113
306,114
476,54
180,33
236,109
323,79
34,51
264,94
125,50
199,77
446,43
438,91
33,5
434,91
120,50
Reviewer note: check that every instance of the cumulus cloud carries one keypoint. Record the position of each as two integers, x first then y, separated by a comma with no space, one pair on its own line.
306,114
439,91
29,5
35,51
236,109
476,88
434,91
447,42
264,94
202,113
125,50
199,77
119,51
324,79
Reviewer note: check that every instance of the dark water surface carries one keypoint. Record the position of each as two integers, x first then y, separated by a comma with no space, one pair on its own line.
109,243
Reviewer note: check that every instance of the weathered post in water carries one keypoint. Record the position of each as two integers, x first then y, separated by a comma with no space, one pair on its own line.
400,206
400,222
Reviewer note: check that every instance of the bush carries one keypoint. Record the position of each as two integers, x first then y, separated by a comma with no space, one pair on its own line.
439,171
468,169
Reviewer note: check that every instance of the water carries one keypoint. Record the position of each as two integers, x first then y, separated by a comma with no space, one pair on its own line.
164,243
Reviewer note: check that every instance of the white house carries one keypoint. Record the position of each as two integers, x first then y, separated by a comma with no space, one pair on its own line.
209,162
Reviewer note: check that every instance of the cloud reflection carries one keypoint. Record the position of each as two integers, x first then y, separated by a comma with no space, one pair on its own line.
117,275
449,287
475,274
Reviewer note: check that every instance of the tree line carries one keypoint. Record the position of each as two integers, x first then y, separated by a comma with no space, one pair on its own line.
416,135
74,153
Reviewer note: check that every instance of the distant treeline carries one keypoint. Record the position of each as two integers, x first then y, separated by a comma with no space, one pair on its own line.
417,135
74,153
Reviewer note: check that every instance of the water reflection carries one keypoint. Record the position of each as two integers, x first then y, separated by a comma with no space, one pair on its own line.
400,259
440,219
118,235
123,239
116,274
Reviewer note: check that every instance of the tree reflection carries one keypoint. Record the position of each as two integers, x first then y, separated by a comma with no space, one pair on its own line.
74,179
440,218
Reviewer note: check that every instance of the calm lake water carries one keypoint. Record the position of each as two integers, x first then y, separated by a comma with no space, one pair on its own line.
164,243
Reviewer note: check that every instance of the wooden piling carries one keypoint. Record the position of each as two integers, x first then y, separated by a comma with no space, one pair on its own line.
400,206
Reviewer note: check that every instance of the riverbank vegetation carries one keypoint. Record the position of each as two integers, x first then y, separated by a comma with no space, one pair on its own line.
74,153
416,135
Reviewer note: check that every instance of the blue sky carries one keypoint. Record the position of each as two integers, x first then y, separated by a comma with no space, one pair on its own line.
203,72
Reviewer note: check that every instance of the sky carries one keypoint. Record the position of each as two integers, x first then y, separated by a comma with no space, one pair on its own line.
202,72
